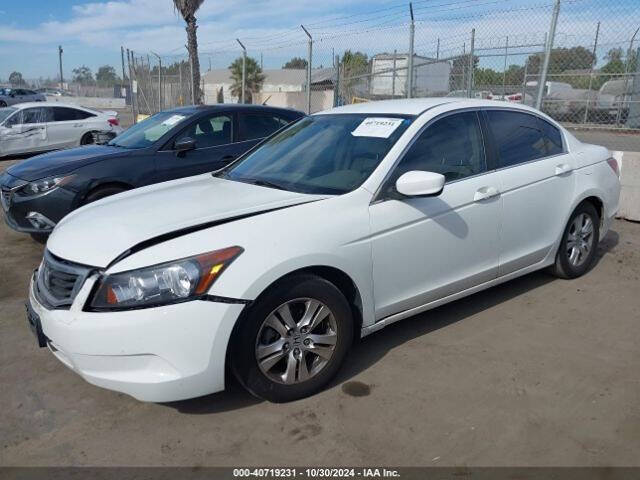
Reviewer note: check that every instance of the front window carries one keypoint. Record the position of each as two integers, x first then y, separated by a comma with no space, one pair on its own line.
147,132
324,154
5,113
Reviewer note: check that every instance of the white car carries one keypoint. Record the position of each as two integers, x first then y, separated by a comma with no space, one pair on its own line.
335,227
42,126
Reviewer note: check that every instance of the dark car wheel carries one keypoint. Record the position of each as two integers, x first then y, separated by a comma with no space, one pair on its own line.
102,192
293,339
3,103
87,139
579,242
40,237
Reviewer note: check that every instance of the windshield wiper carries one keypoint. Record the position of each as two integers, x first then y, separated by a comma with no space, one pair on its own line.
266,183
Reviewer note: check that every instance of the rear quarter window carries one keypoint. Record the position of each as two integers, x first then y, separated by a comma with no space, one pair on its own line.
518,137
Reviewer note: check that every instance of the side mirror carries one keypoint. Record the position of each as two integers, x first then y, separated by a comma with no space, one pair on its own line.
184,145
417,183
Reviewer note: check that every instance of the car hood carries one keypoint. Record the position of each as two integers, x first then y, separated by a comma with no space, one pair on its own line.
100,232
62,161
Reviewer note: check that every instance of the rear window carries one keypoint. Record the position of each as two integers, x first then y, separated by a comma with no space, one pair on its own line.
518,137
63,114
553,138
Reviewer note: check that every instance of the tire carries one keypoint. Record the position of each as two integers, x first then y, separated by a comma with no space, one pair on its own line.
102,192
3,103
87,139
573,262
40,237
290,368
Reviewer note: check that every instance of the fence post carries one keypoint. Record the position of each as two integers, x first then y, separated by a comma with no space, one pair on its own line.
471,63
547,54
180,82
393,77
633,117
438,50
244,70
309,58
412,32
504,70
336,87
626,77
593,64
159,79
133,110
123,74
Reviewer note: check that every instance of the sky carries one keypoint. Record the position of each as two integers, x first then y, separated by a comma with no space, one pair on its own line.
91,32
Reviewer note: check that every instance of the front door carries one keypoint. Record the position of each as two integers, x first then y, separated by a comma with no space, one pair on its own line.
426,248
538,184
215,148
26,131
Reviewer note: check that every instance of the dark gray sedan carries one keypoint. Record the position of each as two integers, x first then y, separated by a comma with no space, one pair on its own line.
11,96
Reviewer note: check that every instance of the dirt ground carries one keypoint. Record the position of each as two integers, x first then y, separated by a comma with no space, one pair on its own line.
538,371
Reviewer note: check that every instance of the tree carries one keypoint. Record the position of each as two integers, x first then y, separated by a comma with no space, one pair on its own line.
107,76
82,75
574,58
188,9
297,63
16,78
459,78
254,78
353,66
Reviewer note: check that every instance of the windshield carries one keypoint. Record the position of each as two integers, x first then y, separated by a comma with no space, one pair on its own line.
145,133
5,112
323,154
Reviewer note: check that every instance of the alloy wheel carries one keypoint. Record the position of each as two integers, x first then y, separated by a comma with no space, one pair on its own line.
296,341
580,240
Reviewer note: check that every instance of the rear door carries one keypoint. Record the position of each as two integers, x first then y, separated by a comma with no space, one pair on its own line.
28,132
536,173
67,126
254,126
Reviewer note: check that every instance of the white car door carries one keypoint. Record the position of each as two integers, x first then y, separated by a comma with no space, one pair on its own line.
426,248
26,131
67,127
538,185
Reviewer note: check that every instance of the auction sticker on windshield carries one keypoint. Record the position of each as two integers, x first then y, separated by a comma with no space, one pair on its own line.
379,127
172,120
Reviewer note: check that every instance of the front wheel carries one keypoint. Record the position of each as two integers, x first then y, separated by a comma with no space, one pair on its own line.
579,242
293,340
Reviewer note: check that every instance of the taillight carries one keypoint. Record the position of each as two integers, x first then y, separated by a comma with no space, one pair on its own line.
113,122
613,163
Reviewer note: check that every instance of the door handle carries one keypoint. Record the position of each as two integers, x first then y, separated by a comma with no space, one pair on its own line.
485,193
563,168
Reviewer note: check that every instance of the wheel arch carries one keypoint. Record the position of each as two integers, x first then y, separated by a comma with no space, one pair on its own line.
104,184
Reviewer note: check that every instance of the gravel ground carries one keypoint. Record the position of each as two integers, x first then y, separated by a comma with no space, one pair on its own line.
538,371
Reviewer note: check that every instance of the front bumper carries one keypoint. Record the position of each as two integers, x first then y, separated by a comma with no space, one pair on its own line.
52,205
158,354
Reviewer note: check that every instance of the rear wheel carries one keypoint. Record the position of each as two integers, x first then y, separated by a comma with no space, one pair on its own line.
87,139
293,340
3,103
579,242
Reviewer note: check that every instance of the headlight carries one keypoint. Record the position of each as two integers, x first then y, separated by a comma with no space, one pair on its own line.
44,185
171,282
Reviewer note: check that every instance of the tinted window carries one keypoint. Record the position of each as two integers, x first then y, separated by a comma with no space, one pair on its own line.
5,112
451,146
260,125
63,114
210,131
552,137
518,137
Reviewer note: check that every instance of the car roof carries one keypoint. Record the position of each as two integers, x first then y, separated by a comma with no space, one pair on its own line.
416,106
50,104
191,109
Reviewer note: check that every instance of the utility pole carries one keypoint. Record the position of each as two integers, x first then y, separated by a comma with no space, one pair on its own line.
593,64
547,54
309,54
133,110
244,70
60,61
412,31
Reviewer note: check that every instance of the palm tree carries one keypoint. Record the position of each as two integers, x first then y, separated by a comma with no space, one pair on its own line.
188,9
254,78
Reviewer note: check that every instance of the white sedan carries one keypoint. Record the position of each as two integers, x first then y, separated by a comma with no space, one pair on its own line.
335,227
42,126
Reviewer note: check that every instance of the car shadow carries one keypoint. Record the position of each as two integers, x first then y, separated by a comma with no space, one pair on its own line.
374,347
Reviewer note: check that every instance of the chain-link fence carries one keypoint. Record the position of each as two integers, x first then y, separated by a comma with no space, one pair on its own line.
576,60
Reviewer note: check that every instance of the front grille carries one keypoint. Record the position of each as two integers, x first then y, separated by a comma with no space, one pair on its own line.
5,198
59,281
